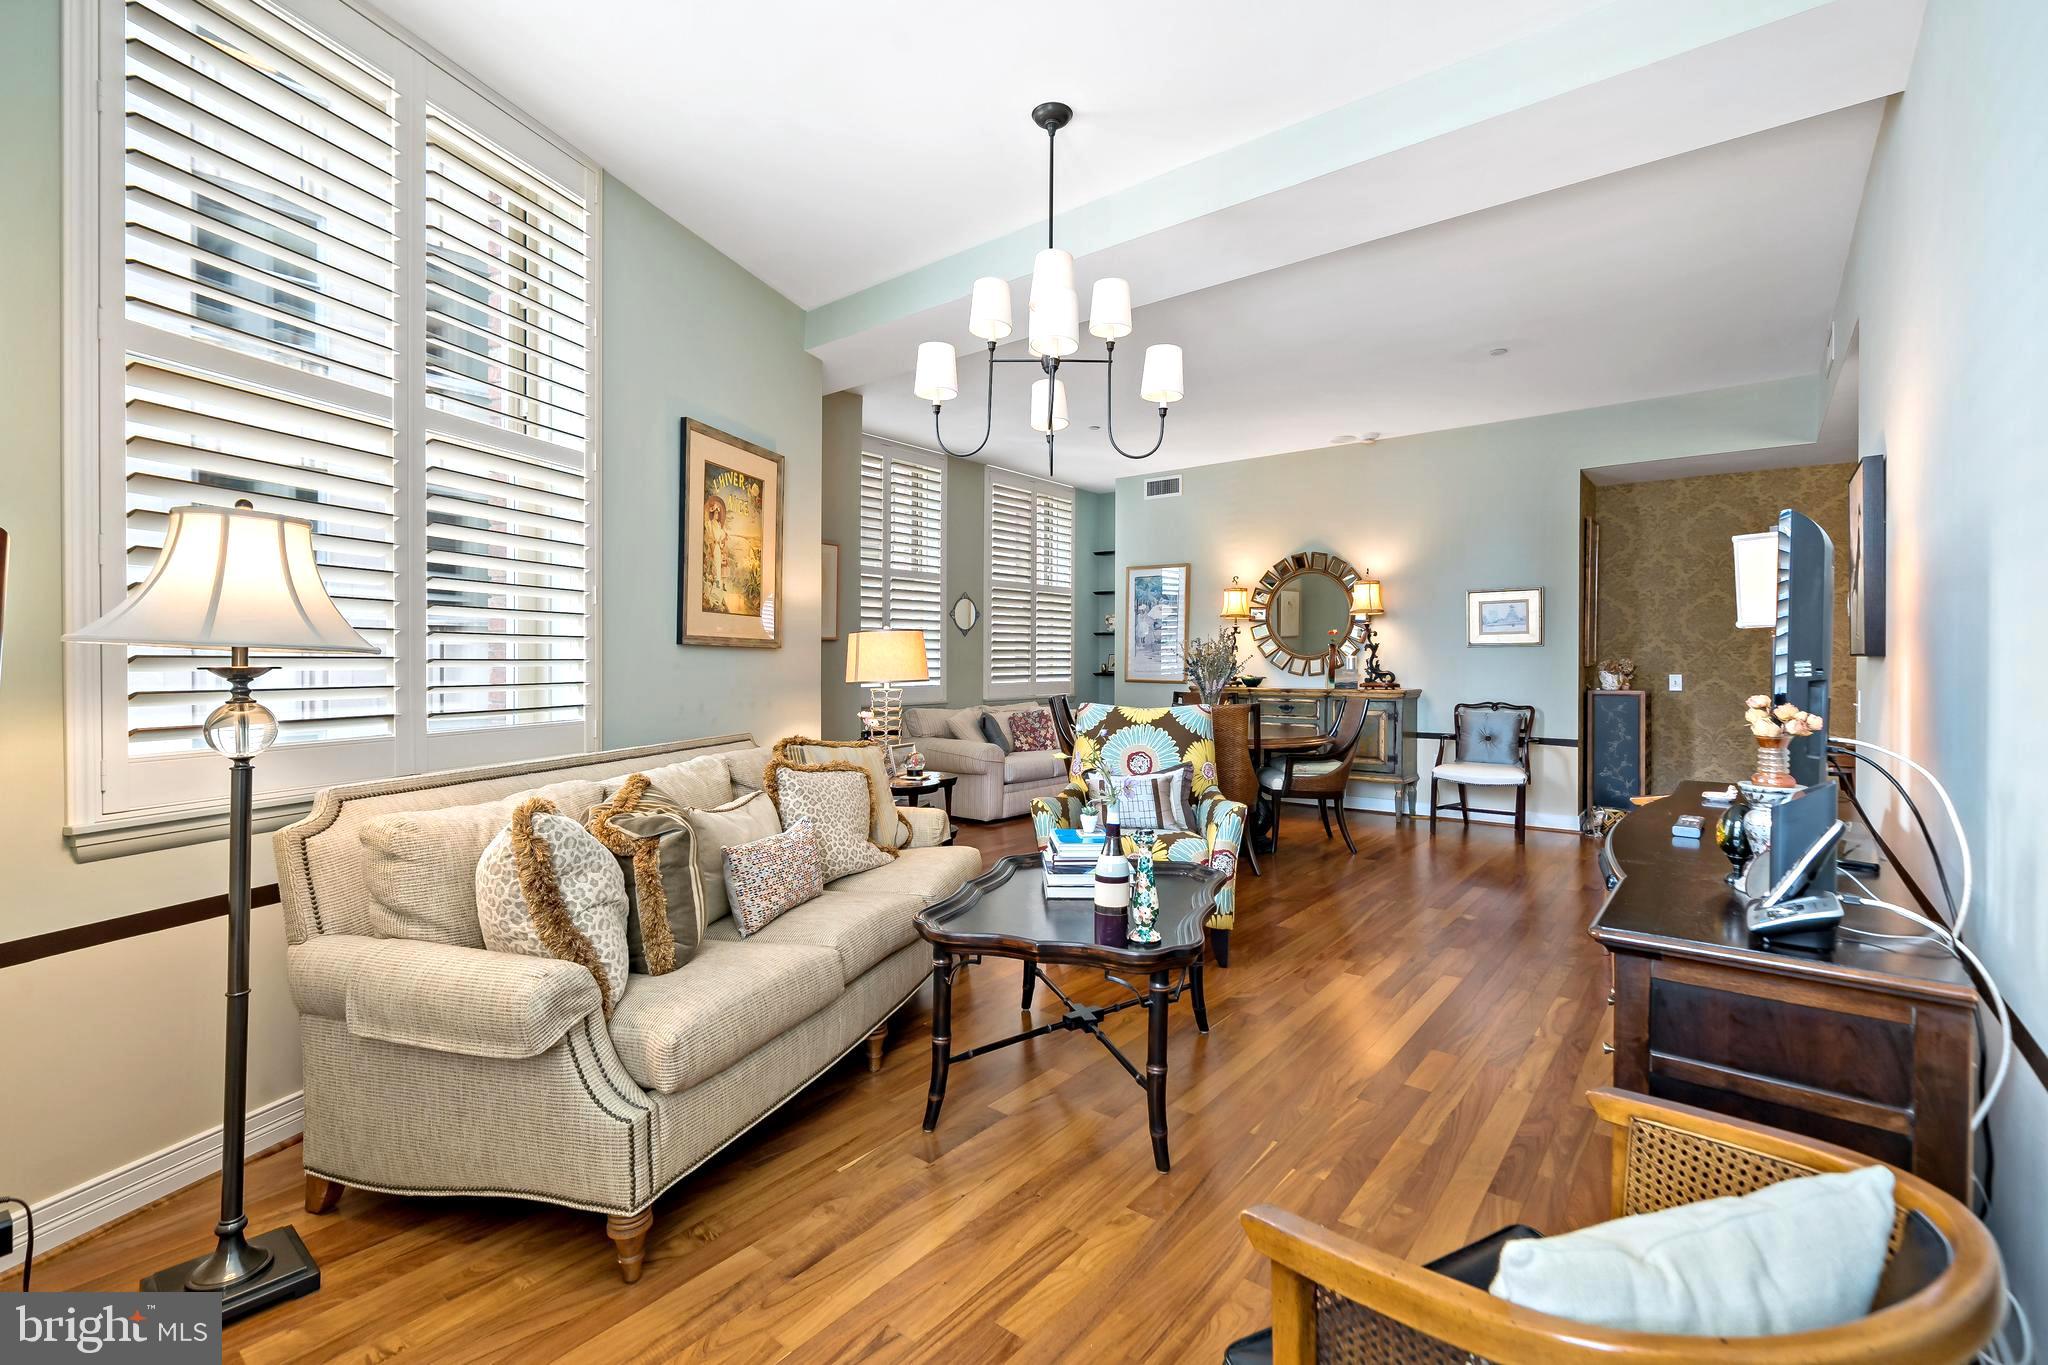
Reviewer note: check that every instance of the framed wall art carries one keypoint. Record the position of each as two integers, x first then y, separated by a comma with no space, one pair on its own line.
1866,557
1504,616
729,580
1156,621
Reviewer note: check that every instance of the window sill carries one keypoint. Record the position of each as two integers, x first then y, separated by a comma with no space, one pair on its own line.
123,836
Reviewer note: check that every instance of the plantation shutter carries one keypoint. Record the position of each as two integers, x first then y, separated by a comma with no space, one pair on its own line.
256,350
1052,653
902,532
506,351
1012,589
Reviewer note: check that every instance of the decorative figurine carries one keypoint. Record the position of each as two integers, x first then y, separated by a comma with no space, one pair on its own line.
1144,926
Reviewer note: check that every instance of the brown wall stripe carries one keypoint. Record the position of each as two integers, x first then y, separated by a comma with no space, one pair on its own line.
17,951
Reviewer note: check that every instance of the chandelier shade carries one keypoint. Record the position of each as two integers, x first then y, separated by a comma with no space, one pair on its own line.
989,315
1109,310
1059,407
1052,336
1161,381
938,373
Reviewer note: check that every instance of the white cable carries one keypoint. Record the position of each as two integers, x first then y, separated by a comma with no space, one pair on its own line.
1868,894
1996,1351
1955,821
1962,950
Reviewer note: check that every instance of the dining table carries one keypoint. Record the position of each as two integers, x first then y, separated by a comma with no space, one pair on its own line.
1276,737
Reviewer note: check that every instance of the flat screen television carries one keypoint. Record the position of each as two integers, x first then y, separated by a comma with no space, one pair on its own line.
1802,645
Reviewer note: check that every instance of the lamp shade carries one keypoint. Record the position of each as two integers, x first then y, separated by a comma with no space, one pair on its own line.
1109,309
230,578
1237,602
875,657
938,375
1051,272
1756,581
988,317
1161,382
1367,599
1056,324
1059,406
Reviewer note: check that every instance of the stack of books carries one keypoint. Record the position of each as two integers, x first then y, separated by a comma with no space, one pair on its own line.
1070,864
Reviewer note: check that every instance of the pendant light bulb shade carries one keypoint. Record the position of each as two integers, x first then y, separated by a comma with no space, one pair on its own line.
1109,310
938,375
1161,382
1059,406
989,315
1056,324
1051,272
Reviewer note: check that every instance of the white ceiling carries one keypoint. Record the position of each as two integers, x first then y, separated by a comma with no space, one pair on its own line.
828,146
1710,269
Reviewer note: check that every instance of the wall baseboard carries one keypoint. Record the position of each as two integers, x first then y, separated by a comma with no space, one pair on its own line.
84,1208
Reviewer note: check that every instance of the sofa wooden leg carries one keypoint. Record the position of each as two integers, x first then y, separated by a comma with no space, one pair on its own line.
875,1041
322,1194
629,1241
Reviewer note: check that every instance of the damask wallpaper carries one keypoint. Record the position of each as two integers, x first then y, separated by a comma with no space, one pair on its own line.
1667,600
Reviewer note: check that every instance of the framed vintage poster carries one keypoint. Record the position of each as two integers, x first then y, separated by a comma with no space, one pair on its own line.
729,580
828,591
1504,616
1156,623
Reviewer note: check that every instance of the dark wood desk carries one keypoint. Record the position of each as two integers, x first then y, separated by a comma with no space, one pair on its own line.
1870,1043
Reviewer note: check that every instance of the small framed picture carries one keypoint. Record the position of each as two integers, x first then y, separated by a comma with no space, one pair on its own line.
1504,616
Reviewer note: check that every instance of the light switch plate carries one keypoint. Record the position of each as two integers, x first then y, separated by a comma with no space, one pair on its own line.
1675,682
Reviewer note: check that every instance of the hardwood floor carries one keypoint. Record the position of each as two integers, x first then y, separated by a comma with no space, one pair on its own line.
1401,1047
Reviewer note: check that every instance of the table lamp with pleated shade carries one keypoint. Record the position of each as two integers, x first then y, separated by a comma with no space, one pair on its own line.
235,579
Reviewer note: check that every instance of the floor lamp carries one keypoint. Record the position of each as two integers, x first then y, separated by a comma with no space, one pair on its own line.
882,659
235,579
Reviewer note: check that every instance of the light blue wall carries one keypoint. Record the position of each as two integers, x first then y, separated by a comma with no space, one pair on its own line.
1946,292
1434,516
687,333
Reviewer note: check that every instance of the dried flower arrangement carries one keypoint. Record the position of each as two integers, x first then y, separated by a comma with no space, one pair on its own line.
1769,722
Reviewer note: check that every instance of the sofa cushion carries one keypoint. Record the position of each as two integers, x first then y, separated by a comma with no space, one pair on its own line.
746,767
770,877
863,927
928,722
930,874
739,821
730,999
966,724
545,887
695,783
992,730
420,865
838,799
886,827
1031,731
1033,765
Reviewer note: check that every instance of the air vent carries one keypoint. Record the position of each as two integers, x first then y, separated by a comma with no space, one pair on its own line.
1168,487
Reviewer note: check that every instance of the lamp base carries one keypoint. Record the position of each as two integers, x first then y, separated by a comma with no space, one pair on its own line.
291,1273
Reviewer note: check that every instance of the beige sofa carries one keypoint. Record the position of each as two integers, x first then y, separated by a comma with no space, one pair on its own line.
437,1067
993,785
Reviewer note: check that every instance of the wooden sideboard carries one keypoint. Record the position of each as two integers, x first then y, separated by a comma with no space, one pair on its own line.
1386,748
1864,1042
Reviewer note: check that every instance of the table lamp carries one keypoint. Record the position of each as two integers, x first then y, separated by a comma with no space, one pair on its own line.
235,579
1368,601
881,659
1237,607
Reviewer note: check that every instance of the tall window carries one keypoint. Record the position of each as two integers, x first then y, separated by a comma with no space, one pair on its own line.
335,281
1030,586
902,549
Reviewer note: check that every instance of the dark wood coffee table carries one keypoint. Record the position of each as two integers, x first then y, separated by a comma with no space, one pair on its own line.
906,790
1005,913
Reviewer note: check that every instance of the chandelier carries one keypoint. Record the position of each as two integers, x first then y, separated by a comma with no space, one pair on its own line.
1053,335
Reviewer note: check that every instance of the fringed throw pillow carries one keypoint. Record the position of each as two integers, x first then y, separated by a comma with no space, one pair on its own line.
652,840
771,875
837,799
886,827
545,887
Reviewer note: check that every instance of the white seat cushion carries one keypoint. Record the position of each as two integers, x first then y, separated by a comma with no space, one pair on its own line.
1271,776
1797,1256
1481,774
862,927
728,1000
1033,765
929,874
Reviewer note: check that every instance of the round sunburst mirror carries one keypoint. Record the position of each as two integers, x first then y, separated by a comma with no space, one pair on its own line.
1295,606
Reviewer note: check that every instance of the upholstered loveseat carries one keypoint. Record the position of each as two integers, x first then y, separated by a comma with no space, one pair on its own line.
433,1066
1129,741
995,784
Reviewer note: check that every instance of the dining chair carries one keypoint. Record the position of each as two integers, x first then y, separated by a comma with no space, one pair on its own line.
1237,772
1492,739
1320,774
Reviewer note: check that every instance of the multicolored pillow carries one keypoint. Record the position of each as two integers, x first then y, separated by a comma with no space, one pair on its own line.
1160,801
836,798
1032,731
769,876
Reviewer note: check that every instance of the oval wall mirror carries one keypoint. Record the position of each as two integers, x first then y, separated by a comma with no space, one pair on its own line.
1296,605
965,613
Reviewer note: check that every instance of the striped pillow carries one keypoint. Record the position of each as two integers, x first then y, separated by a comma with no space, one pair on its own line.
1160,801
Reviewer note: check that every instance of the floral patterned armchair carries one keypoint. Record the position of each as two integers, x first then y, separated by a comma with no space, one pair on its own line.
1131,741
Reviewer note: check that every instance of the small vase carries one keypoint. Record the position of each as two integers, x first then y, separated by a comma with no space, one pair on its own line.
1774,762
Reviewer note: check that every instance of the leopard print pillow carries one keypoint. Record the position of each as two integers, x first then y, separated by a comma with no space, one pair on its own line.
837,802
545,887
